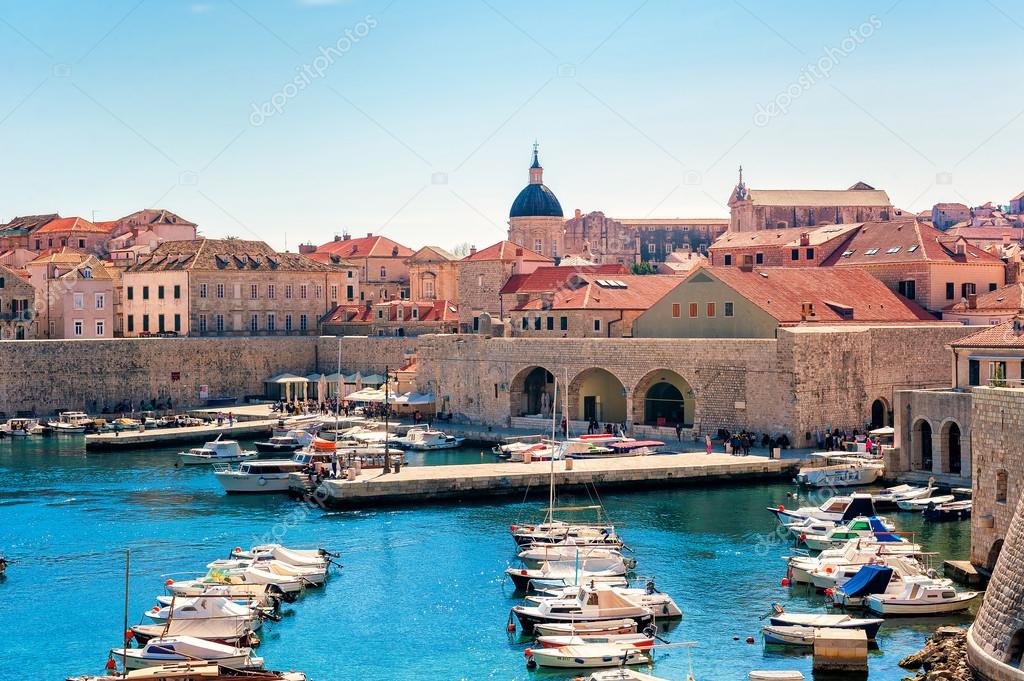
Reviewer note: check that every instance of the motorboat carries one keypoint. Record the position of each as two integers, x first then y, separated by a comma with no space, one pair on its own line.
538,451
921,599
627,447
22,427
71,422
879,579
918,505
856,552
199,608
623,674
310,423
261,594
515,444
588,656
858,528
593,606
292,441
218,451
570,628
833,576
951,510
559,532
251,575
251,477
840,471
309,575
160,651
837,509
788,635
568,571
542,553
644,640
428,439
774,675
663,606
890,497
236,631
298,557
780,617
195,671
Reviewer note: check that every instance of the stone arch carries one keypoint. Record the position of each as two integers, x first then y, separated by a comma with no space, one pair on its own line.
1015,650
951,447
881,413
993,554
921,445
664,393
599,394
528,390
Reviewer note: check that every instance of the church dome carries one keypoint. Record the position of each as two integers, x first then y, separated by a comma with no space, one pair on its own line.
536,200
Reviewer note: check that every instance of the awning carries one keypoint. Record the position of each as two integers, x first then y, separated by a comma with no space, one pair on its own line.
369,395
373,379
415,398
888,430
287,378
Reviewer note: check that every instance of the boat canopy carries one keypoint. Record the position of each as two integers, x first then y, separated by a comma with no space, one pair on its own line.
870,579
882,533
860,504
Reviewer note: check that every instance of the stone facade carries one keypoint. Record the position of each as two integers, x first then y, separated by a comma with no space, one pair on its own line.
603,240
432,275
934,428
18,308
805,379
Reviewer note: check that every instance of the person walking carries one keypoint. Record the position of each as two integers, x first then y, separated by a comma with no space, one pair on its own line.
679,431
707,442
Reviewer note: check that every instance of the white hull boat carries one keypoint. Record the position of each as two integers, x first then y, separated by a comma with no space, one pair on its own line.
838,509
870,626
788,635
22,427
218,451
621,626
159,651
569,572
923,502
921,600
844,472
660,603
588,656
544,553
624,674
256,477
427,439
636,640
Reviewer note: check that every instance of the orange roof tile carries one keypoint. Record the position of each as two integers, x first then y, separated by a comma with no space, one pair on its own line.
1009,297
607,292
68,225
1009,334
506,251
904,241
545,279
366,247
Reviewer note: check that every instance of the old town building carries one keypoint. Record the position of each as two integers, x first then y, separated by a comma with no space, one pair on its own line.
754,302
16,232
590,305
383,272
142,231
753,209
393,318
991,307
680,263
790,247
481,276
224,287
75,295
17,306
545,281
433,275
535,219
74,232
945,215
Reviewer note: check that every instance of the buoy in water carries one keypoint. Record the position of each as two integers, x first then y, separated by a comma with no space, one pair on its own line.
781,507
511,628
750,639
110,663
735,638
528,653
785,581
169,582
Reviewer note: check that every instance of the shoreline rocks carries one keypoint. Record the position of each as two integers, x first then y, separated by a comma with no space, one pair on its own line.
944,657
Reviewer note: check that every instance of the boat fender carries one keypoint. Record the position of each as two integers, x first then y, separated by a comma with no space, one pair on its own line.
781,507
262,481
111,665
829,570
156,608
169,582
128,636
321,494
528,653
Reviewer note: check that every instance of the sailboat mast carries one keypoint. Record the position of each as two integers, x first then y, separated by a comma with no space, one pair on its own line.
565,400
124,651
551,485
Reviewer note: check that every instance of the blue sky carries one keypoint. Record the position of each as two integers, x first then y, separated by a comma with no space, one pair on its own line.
418,123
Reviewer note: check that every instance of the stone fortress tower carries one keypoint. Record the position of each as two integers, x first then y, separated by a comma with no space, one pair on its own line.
535,220
995,643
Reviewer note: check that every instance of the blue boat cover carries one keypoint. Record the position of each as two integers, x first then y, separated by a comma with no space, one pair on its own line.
870,579
860,504
881,532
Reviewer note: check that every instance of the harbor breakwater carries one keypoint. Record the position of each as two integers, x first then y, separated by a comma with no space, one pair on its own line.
47,376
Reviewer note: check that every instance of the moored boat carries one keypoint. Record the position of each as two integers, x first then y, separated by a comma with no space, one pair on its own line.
782,618
921,599
21,427
922,503
159,651
788,635
837,509
71,422
218,451
428,439
840,471
293,441
599,606
644,640
588,656
195,671
952,510
568,571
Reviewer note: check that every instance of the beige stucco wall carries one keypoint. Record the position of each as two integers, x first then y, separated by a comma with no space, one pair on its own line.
748,320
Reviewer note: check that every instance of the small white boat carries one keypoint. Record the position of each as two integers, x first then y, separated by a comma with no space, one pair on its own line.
782,619
22,427
856,552
921,599
621,626
71,422
559,532
588,656
775,675
310,423
256,476
568,571
200,608
428,439
160,651
788,635
636,640
299,557
858,528
624,674
660,603
595,607
922,503
310,575
837,509
218,451
950,510
542,553
293,441
194,671
840,471
537,451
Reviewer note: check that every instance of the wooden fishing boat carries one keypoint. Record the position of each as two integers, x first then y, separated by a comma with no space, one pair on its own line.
788,635
620,626
636,640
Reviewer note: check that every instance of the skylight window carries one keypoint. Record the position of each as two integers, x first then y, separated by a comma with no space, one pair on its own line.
871,251
912,248
763,274
847,254
894,249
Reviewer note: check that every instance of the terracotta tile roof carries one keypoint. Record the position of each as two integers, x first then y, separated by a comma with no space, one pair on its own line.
225,254
837,295
506,251
152,216
607,292
673,221
823,198
26,223
1009,297
782,237
64,255
366,247
91,265
993,233
68,225
549,279
432,254
904,241
950,206
426,311
1009,334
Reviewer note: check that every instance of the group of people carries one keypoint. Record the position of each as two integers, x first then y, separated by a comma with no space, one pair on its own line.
593,427
835,440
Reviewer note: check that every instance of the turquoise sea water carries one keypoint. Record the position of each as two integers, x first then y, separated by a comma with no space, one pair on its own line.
422,594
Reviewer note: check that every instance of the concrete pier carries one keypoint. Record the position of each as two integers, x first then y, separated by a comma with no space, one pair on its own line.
841,650
446,483
161,437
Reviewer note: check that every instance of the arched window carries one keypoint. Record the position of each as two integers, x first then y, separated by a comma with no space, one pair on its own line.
1001,484
1015,651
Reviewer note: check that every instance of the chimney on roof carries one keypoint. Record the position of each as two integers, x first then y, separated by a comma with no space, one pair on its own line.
472,250
972,301
748,263
1018,326
306,249
519,262
805,239
369,234
338,237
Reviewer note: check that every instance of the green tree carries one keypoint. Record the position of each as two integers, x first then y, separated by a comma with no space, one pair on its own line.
643,268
